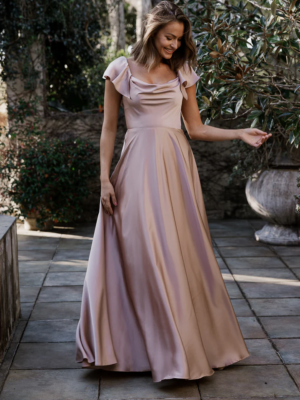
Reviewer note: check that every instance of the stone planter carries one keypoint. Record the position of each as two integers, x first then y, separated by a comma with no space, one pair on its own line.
270,194
31,224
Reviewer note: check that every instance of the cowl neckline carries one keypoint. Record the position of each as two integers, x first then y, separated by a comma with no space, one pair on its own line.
125,76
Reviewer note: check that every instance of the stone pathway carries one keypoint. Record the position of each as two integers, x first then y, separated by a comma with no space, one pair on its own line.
263,284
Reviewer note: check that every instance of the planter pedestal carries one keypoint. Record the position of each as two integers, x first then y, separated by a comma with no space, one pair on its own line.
270,194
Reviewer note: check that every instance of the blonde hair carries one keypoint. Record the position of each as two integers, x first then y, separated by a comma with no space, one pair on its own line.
144,51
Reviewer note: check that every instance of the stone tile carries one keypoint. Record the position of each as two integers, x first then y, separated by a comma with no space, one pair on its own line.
241,308
34,244
257,223
50,331
45,356
19,331
227,276
254,262
62,293
255,398
295,372
56,310
28,294
229,223
64,254
9,355
126,385
32,255
287,250
75,244
243,241
216,252
31,278
33,266
297,272
221,263
266,283
26,309
265,275
292,262
37,239
275,307
249,381
289,349
68,384
225,232
282,327
68,266
233,290
64,278
250,328
255,251
261,352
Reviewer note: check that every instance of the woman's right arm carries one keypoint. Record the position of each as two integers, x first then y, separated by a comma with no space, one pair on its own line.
112,99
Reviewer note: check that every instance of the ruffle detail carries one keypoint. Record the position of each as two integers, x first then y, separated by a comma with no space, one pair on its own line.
187,78
119,74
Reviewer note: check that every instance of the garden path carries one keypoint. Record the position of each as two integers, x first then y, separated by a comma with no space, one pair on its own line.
263,284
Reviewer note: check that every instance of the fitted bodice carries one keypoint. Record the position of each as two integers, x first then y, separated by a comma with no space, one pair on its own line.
150,104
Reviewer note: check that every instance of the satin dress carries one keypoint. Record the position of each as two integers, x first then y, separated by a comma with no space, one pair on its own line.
153,297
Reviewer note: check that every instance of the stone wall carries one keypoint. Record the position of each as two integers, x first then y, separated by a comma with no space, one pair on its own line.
212,158
9,280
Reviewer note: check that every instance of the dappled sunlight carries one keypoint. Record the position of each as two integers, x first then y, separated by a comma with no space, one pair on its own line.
263,279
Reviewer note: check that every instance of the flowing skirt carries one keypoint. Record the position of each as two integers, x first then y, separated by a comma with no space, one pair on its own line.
153,297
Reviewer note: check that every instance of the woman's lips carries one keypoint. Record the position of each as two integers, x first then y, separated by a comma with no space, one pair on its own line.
169,51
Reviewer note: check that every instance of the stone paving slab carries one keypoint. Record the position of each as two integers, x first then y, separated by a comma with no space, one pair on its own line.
276,307
267,380
221,263
253,262
28,294
56,310
241,308
75,244
250,328
292,262
50,331
33,266
282,327
65,254
231,232
68,266
117,386
64,279
261,353
64,384
295,372
62,293
26,309
289,350
287,250
32,255
243,241
254,251
31,278
45,356
233,290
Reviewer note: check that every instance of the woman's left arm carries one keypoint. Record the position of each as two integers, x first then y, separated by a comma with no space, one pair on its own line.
198,131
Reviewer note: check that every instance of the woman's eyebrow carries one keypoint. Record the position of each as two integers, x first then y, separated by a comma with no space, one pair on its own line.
172,35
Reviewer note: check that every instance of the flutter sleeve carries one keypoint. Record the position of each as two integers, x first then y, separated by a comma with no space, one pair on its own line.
119,74
187,78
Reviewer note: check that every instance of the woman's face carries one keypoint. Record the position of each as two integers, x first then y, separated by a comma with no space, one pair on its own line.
169,38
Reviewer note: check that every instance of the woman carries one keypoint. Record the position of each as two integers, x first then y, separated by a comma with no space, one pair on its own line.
153,296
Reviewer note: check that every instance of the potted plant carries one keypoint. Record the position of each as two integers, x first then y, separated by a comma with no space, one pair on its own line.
248,60
45,179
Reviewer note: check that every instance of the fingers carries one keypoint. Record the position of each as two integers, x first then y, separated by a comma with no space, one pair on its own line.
114,200
106,205
259,132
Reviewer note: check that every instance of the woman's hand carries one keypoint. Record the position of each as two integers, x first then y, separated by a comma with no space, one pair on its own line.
254,136
108,194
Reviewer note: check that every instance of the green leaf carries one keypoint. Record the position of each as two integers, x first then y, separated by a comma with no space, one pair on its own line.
238,105
274,8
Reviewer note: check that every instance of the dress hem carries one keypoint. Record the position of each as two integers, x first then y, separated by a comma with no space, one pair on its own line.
148,370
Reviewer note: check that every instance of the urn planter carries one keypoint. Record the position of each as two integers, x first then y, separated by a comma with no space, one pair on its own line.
271,194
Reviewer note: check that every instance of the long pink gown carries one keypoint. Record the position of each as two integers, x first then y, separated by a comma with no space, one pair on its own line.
153,297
